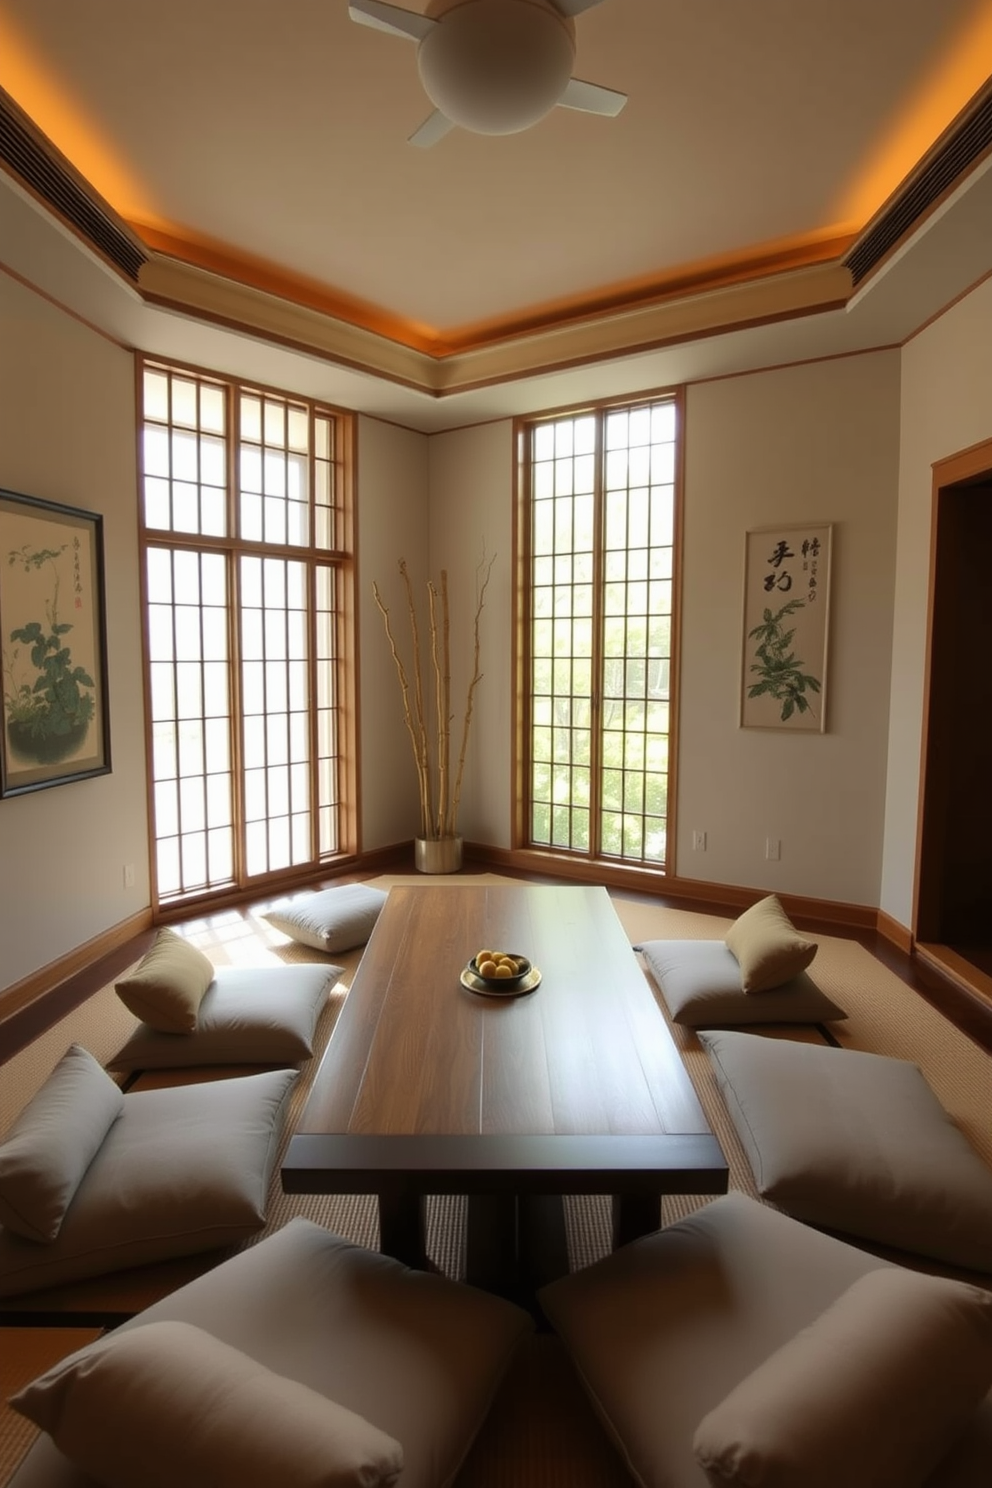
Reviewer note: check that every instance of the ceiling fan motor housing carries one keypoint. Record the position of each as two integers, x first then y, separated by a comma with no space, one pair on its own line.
497,66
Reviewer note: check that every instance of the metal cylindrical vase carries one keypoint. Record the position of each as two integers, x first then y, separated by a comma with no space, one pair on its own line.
437,854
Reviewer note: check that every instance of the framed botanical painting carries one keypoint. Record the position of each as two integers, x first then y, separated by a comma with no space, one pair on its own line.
786,610
56,717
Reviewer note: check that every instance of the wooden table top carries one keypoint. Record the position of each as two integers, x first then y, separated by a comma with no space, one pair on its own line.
415,1053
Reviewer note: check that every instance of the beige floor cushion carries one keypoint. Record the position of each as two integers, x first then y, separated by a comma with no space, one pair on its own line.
417,1356
700,981
181,1170
331,920
249,1015
858,1143
663,1330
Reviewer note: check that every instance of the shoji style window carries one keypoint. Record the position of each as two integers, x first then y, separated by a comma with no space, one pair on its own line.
246,531
598,538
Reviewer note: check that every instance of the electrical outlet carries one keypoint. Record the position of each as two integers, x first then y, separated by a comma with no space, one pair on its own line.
773,849
699,841
129,875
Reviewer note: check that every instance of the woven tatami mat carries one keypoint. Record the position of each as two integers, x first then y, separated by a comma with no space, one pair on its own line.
24,1354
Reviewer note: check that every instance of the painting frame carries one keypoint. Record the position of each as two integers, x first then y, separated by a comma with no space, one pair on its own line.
784,645
56,705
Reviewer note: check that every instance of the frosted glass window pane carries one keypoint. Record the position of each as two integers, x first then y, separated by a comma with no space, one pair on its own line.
298,524
214,628
274,473
155,450
253,687
275,519
191,805
254,742
254,789
186,567
322,437
251,582
185,507
213,512
160,633
220,849
191,747
213,567
185,465
256,847
301,837
279,848
275,422
275,583
183,401
296,635
323,531
275,635
213,462
189,690
298,431
194,855
275,686
163,690
164,761
251,635
218,744
218,800
166,809
212,409
297,478
167,864
296,587
156,394
251,518
217,702
298,680
251,470
251,418
158,503
299,736
277,738
187,632
278,784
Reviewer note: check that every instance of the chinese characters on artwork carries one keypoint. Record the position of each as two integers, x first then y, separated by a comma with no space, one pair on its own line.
785,632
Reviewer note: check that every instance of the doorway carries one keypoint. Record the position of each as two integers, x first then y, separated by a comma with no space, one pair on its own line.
954,867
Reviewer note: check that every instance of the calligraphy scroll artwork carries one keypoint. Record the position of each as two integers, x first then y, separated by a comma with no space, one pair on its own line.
786,609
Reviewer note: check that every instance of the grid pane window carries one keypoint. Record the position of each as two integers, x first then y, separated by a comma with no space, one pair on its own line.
244,597
601,535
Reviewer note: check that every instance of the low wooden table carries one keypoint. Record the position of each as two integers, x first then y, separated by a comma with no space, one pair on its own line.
574,1088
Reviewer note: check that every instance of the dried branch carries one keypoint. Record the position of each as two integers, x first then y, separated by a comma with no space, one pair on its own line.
482,575
418,737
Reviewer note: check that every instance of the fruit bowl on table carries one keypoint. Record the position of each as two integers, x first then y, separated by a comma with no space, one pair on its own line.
496,971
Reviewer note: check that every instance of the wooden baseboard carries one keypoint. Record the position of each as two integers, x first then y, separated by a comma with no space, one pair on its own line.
895,933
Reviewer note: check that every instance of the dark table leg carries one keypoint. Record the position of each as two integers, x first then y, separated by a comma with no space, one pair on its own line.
403,1228
515,1243
635,1215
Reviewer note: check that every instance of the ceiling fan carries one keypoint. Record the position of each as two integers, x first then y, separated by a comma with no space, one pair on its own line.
492,66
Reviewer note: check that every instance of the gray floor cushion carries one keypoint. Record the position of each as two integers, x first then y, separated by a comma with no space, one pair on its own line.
334,919
700,981
664,1329
418,1356
858,1143
180,1171
249,1015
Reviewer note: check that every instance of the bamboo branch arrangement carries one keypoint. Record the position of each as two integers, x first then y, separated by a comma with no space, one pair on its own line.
439,797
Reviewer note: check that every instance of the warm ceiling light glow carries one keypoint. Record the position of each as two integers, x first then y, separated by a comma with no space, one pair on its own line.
949,85
48,103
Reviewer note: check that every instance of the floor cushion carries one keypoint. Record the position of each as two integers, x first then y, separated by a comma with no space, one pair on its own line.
857,1143
181,1170
767,946
416,1355
663,1330
167,1403
45,1155
249,1015
168,984
331,920
700,981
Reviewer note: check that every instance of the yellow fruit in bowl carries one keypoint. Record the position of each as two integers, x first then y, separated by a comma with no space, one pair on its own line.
487,968
505,969
481,956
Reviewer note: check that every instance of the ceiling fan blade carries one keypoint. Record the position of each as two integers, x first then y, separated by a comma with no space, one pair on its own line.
434,127
391,18
575,7
590,98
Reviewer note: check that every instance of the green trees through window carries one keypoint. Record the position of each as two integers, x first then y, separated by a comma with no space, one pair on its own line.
600,541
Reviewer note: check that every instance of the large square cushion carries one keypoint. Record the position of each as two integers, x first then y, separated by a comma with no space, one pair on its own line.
331,920
249,1015
700,981
663,1330
416,1355
858,1143
181,1170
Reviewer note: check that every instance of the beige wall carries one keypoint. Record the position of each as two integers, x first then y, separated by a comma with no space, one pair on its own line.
67,434
946,407
392,524
816,443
